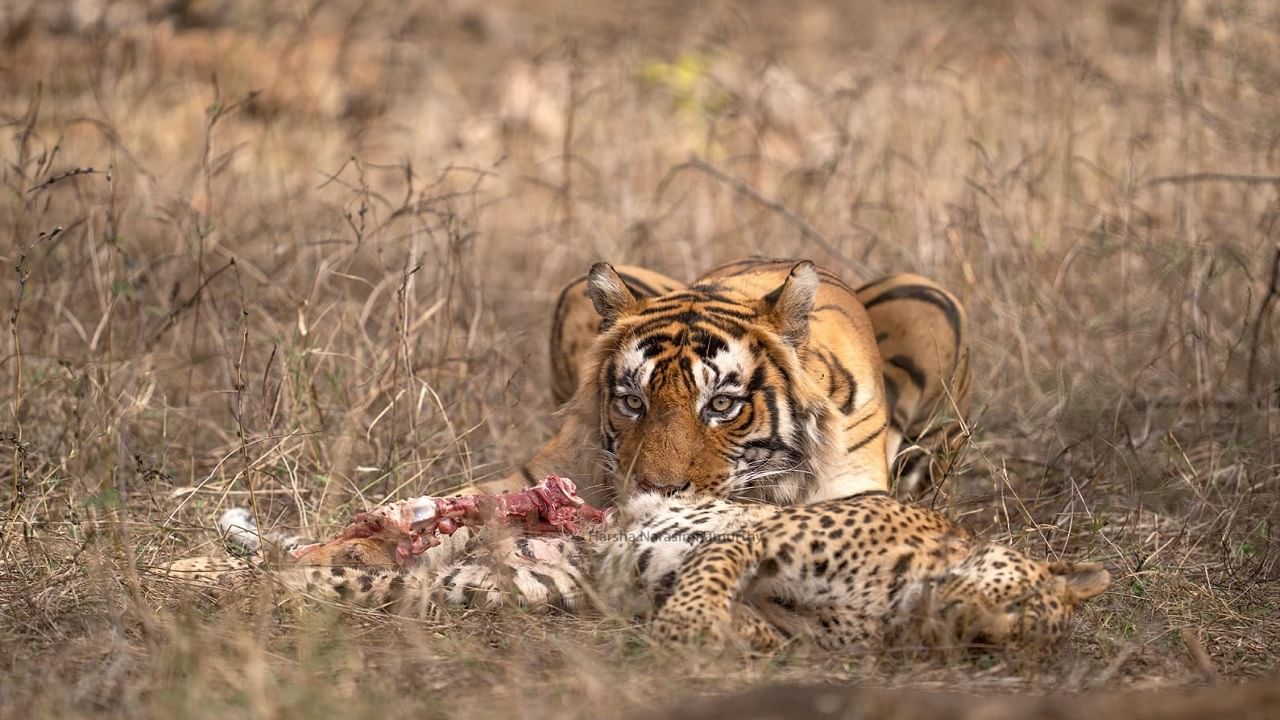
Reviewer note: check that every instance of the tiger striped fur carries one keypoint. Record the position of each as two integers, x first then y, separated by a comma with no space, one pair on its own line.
827,385
762,381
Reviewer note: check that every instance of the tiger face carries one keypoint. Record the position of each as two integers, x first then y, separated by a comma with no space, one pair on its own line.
698,390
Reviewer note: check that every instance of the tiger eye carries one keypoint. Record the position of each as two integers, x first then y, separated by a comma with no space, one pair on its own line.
721,403
633,402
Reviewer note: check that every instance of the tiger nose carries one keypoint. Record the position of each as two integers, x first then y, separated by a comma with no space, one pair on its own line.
646,484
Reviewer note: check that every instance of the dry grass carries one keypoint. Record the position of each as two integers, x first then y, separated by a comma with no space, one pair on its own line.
312,265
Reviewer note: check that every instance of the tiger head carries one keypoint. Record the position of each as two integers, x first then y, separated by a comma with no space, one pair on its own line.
701,390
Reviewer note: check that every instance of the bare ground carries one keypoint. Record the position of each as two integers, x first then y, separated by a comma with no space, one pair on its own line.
303,257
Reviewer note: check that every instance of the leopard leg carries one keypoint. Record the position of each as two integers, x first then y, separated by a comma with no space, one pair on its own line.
639,559
550,573
701,607
754,630
374,587
206,570
469,584
535,573
836,628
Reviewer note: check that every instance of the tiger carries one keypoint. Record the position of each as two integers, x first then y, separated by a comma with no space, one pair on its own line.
763,379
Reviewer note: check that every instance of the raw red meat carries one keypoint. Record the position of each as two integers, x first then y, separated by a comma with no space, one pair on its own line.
551,506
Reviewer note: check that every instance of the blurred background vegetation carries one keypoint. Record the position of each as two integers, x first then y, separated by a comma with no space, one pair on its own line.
308,250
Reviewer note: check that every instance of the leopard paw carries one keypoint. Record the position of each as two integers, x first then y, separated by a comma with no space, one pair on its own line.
691,623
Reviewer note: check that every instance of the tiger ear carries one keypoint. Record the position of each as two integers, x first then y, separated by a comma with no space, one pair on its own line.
609,293
789,305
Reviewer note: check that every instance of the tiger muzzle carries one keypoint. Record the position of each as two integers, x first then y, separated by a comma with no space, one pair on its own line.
647,485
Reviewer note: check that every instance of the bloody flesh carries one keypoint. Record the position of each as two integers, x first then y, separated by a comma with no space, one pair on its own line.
551,506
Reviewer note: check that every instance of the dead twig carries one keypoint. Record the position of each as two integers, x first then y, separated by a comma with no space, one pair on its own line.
63,176
807,231
1273,289
1201,657
19,454
566,145
174,314
1211,177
